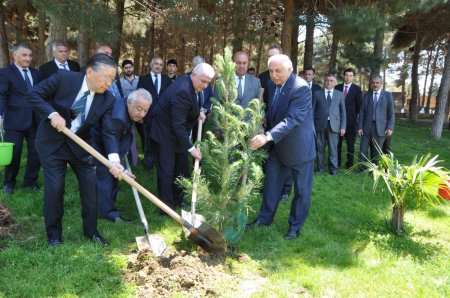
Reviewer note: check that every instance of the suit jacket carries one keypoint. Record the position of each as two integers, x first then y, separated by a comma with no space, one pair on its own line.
175,114
336,111
57,94
352,102
123,129
264,77
146,82
14,107
384,113
251,90
315,87
49,68
290,122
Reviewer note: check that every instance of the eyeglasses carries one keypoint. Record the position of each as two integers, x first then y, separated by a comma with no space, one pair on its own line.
106,78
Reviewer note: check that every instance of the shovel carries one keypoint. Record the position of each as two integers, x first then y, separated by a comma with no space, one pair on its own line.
153,242
192,217
204,235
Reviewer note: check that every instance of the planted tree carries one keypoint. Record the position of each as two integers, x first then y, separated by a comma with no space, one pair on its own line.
232,175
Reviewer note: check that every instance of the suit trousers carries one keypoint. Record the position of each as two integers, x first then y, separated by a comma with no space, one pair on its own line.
350,139
332,139
108,186
33,164
149,154
369,139
55,168
274,180
169,166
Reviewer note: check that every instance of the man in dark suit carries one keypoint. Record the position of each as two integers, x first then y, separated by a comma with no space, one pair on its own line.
352,95
264,77
172,120
61,52
78,101
290,127
376,119
309,74
329,121
18,119
155,83
125,113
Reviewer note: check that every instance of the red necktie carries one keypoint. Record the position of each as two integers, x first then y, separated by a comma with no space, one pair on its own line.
345,91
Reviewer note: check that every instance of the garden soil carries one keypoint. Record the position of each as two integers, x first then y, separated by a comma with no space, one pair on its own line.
186,274
7,226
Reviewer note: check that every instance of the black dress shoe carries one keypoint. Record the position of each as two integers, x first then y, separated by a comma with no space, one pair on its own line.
256,223
122,219
291,235
99,240
7,189
54,242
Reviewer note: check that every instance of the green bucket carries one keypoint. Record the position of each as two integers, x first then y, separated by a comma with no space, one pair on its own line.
6,153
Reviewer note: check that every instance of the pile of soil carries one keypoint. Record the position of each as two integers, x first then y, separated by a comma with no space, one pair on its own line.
7,226
191,275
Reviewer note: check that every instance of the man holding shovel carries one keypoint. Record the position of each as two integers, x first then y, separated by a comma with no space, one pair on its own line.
125,113
78,101
172,119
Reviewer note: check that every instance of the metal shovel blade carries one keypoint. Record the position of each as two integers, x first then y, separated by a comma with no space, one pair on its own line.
153,242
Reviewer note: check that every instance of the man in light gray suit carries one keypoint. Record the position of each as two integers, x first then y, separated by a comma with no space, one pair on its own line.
376,119
329,121
247,85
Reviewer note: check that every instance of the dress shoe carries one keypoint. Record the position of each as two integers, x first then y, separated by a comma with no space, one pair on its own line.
7,189
32,186
256,223
54,242
291,235
122,219
99,240
333,173
285,198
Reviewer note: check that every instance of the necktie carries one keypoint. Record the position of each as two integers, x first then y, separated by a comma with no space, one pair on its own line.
79,107
375,101
345,91
133,149
156,84
200,99
277,93
27,79
62,66
239,89
329,98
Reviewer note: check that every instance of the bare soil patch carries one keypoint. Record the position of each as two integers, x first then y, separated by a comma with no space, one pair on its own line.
7,226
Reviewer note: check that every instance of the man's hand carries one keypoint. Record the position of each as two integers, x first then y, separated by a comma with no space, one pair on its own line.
388,133
116,170
197,154
58,122
258,141
342,132
360,132
202,116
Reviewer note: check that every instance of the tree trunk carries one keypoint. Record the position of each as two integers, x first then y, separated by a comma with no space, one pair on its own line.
84,42
398,214
309,39
286,31
433,73
439,115
334,50
57,32
120,12
42,25
260,51
4,53
294,39
20,23
413,106
427,71
137,55
378,50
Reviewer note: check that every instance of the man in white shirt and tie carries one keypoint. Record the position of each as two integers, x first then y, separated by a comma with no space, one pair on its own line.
376,119
60,52
309,74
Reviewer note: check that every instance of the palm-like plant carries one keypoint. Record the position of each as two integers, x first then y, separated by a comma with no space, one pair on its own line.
417,183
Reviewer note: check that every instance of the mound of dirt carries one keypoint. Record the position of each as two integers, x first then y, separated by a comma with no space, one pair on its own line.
190,275
7,226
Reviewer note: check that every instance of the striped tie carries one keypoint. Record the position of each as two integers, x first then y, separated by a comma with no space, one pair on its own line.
79,107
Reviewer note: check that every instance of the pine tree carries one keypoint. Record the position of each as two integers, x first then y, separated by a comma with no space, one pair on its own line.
232,174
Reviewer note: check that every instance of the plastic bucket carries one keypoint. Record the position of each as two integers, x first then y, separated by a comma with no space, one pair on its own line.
6,153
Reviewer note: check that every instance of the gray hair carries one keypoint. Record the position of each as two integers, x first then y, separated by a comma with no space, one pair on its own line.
275,47
57,44
20,45
197,60
376,76
154,58
141,92
204,68
283,59
100,49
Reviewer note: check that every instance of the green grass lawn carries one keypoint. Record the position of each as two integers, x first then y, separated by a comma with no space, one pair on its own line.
345,249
